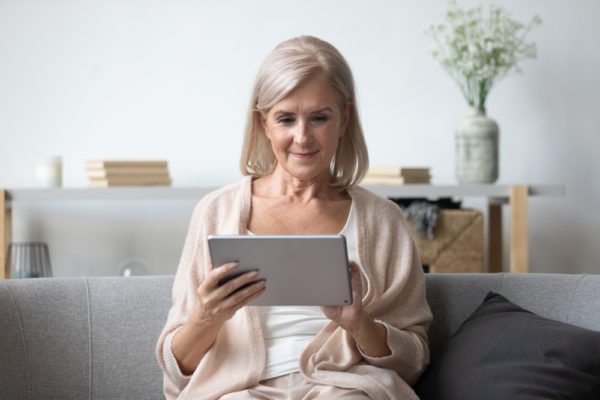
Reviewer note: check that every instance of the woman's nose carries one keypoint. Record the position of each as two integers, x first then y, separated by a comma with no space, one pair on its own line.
302,134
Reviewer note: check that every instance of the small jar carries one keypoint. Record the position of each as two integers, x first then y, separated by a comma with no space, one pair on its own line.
49,172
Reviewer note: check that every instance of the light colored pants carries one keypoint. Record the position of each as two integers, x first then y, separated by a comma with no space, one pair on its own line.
294,387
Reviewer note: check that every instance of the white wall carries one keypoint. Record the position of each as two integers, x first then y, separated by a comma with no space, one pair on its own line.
171,79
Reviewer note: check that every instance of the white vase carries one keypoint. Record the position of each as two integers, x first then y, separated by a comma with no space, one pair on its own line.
476,148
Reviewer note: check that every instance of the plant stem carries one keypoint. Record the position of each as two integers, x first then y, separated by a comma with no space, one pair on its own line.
483,91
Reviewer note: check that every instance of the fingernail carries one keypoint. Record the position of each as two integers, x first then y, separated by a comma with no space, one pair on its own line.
253,274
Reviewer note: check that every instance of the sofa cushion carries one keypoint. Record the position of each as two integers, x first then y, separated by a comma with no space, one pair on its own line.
502,351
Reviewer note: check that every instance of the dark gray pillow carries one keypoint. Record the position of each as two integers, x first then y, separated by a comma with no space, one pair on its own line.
504,352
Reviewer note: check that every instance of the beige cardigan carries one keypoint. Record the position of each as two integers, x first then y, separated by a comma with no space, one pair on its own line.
394,295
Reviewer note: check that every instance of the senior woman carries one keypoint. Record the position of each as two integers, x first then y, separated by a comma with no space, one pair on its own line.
303,155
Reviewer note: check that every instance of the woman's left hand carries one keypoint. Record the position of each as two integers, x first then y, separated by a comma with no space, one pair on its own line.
348,317
370,336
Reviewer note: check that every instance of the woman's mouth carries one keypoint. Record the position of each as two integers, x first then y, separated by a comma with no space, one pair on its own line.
305,154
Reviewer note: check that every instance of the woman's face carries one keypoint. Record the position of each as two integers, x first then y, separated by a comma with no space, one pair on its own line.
305,128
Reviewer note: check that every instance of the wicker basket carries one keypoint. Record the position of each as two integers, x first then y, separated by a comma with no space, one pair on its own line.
457,245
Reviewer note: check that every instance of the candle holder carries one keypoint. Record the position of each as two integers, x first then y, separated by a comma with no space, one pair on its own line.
49,172
28,260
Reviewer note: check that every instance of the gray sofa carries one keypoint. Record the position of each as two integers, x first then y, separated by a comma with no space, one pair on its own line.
94,338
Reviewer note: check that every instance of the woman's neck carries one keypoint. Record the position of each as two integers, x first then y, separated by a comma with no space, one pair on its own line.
282,184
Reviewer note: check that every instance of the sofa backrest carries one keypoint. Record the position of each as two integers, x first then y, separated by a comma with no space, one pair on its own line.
570,298
82,338
95,337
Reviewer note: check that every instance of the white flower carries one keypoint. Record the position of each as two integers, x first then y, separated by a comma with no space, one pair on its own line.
477,50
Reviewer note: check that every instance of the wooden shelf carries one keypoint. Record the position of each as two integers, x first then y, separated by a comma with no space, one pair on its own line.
498,192
516,196
490,191
115,193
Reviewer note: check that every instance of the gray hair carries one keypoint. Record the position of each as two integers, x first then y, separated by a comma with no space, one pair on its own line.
291,64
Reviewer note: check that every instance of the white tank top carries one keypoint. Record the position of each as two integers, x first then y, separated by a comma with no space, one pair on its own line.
289,329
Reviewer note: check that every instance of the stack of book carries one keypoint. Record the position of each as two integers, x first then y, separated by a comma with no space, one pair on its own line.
104,173
396,176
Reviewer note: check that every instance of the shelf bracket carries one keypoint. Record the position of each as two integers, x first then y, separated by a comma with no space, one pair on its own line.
5,232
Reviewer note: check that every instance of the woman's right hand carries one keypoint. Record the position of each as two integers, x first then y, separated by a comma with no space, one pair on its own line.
218,303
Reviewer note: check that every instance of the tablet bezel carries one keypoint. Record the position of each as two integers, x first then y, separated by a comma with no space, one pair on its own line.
315,272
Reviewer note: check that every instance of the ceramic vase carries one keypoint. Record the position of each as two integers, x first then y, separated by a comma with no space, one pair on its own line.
476,148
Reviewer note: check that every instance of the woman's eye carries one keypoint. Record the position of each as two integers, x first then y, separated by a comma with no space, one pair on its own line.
286,120
320,118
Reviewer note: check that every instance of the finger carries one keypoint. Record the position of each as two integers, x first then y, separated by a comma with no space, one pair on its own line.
212,280
225,308
239,299
218,294
253,296
234,308
327,309
356,282
234,284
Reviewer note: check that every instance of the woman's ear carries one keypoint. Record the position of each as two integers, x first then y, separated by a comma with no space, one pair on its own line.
262,119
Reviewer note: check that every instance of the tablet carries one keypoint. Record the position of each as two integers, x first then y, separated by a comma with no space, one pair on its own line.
307,270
